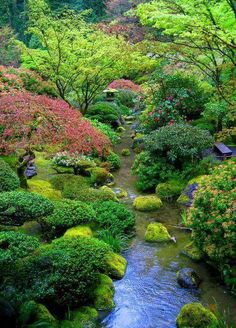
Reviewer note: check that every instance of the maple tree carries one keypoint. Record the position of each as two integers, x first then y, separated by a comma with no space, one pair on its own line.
39,121
125,84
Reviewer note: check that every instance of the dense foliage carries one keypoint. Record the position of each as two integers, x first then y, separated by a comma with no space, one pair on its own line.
8,178
62,273
114,217
15,246
29,120
104,112
18,207
66,214
212,219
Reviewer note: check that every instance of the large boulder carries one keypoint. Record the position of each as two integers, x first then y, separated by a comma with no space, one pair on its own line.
115,265
147,203
157,232
188,278
193,252
32,312
103,293
195,315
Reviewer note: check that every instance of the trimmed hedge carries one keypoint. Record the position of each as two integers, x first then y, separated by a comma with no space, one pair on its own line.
67,214
17,207
8,178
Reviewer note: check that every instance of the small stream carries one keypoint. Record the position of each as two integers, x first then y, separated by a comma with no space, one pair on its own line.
149,295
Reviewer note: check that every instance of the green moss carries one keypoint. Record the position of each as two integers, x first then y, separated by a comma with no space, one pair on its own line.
156,232
115,265
109,191
84,317
79,231
170,189
120,129
103,293
32,312
99,175
44,188
44,166
197,179
195,315
183,199
193,252
125,152
147,203
120,193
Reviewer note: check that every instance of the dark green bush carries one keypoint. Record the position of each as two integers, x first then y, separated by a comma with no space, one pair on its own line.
152,170
114,160
15,246
178,143
61,274
67,214
104,112
18,207
8,178
114,217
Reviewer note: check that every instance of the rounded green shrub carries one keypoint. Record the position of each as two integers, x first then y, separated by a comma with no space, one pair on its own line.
104,112
62,273
8,178
125,152
114,160
114,217
99,175
18,207
15,246
66,214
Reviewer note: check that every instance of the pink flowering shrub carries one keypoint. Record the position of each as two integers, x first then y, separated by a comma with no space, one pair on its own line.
125,85
28,120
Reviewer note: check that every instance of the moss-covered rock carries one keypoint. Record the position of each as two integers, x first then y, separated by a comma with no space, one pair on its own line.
103,293
44,188
188,278
193,252
147,203
169,190
115,265
120,129
108,190
100,175
183,199
84,317
79,231
32,228
120,193
157,232
32,312
195,315
125,152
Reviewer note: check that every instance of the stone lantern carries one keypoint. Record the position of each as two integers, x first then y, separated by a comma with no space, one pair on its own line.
110,94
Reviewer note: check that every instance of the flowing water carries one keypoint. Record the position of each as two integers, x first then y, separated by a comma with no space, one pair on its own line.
149,295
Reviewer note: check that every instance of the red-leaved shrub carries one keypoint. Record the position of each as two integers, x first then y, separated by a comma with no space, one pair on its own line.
125,84
29,120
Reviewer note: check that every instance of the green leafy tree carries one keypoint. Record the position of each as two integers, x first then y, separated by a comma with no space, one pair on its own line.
80,60
202,34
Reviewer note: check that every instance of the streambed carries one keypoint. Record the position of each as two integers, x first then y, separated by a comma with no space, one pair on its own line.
149,295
